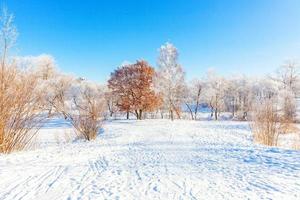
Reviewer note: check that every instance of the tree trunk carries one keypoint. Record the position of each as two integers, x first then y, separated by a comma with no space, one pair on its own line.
211,112
127,115
216,114
171,115
196,111
50,112
140,114
190,109
177,111
233,108
1,137
245,116
161,114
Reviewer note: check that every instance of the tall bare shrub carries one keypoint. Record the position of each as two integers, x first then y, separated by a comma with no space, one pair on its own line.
20,99
268,123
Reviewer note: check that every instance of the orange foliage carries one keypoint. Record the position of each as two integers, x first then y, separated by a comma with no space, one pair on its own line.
133,84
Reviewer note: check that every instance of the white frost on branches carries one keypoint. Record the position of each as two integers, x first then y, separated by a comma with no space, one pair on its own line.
170,79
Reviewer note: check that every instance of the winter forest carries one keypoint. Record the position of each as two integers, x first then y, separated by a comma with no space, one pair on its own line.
148,132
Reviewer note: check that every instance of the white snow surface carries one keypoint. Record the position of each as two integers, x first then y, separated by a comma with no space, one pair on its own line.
151,159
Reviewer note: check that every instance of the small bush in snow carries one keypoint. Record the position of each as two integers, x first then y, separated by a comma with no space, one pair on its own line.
82,103
268,123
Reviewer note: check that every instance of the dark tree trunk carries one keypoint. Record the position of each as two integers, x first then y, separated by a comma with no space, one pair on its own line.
245,116
171,115
190,109
50,112
127,115
161,114
216,114
140,114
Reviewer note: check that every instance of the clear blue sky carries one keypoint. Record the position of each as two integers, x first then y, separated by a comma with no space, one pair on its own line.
90,38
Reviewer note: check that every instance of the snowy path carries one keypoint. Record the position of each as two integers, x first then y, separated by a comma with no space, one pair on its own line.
153,159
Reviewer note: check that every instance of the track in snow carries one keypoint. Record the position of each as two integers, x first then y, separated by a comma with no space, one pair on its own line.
153,159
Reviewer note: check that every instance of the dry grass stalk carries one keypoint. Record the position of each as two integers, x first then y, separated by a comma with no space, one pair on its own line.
20,105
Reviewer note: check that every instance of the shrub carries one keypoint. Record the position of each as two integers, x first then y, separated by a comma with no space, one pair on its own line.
268,123
20,106
82,103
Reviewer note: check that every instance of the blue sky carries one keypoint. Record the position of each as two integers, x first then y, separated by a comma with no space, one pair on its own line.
91,38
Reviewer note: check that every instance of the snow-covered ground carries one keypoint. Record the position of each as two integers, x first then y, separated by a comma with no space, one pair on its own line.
151,159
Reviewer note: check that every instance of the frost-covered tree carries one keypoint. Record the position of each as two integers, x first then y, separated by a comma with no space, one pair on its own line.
58,93
193,96
43,65
111,101
288,80
264,88
170,80
44,68
215,90
288,75
238,97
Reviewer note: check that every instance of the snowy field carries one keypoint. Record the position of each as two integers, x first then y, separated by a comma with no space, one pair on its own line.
151,159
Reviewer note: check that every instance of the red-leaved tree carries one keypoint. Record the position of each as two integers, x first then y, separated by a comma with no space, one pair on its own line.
133,84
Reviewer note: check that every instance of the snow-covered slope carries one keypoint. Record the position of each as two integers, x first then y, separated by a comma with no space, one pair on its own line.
152,159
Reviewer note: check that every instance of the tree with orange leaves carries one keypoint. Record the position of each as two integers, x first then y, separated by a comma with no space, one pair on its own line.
133,84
